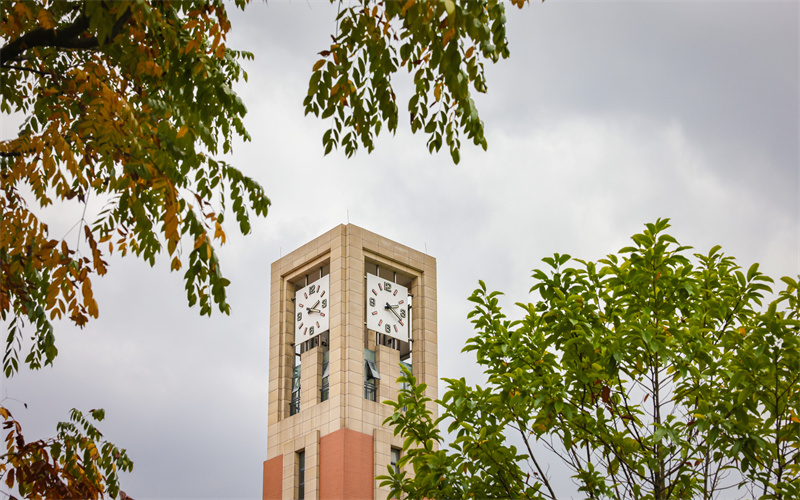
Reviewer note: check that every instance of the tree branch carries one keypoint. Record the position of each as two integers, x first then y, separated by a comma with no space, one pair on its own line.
68,37
23,68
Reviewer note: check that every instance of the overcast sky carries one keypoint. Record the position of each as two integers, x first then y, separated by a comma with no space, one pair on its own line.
606,117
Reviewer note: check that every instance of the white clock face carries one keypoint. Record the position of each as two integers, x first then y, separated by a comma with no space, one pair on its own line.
311,310
387,307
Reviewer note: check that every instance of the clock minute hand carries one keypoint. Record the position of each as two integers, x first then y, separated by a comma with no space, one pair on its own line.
313,308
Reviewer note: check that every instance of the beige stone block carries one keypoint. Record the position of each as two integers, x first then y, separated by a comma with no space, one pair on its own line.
355,402
369,238
356,264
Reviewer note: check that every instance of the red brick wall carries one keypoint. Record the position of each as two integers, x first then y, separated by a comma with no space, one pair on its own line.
346,467
273,478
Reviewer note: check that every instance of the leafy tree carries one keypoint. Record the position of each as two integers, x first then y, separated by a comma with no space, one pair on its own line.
129,103
443,43
649,374
77,464
125,102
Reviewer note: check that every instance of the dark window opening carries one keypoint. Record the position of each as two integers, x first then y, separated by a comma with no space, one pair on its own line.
294,405
395,458
371,375
301,475
325,387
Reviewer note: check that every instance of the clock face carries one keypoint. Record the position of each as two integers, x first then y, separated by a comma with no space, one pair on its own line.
387,307
311,310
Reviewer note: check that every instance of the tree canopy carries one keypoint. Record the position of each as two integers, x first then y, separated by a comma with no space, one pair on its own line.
442,43
128,103
652,373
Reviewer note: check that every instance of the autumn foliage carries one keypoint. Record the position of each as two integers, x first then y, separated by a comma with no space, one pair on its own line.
77,464
125,104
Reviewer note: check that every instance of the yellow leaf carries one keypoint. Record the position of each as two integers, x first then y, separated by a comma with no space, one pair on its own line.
450,7
176,264
795,419
22,10
408,4
45,19
219,233
437,91
86,288
199,241
447,36
52,291
469,52
92,306
318,65
182,131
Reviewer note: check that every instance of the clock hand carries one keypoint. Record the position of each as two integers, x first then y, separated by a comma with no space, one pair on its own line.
392,308
313,308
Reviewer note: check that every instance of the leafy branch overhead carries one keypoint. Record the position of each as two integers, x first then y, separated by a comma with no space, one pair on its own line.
125,103
79,463
651,373
443,44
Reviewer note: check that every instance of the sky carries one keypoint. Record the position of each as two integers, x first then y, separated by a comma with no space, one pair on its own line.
607,116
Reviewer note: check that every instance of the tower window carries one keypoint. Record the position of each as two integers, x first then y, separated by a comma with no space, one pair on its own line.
301,475
325,388
395,457
371,376
294,404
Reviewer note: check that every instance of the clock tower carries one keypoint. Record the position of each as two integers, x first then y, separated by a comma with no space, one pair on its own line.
346,310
